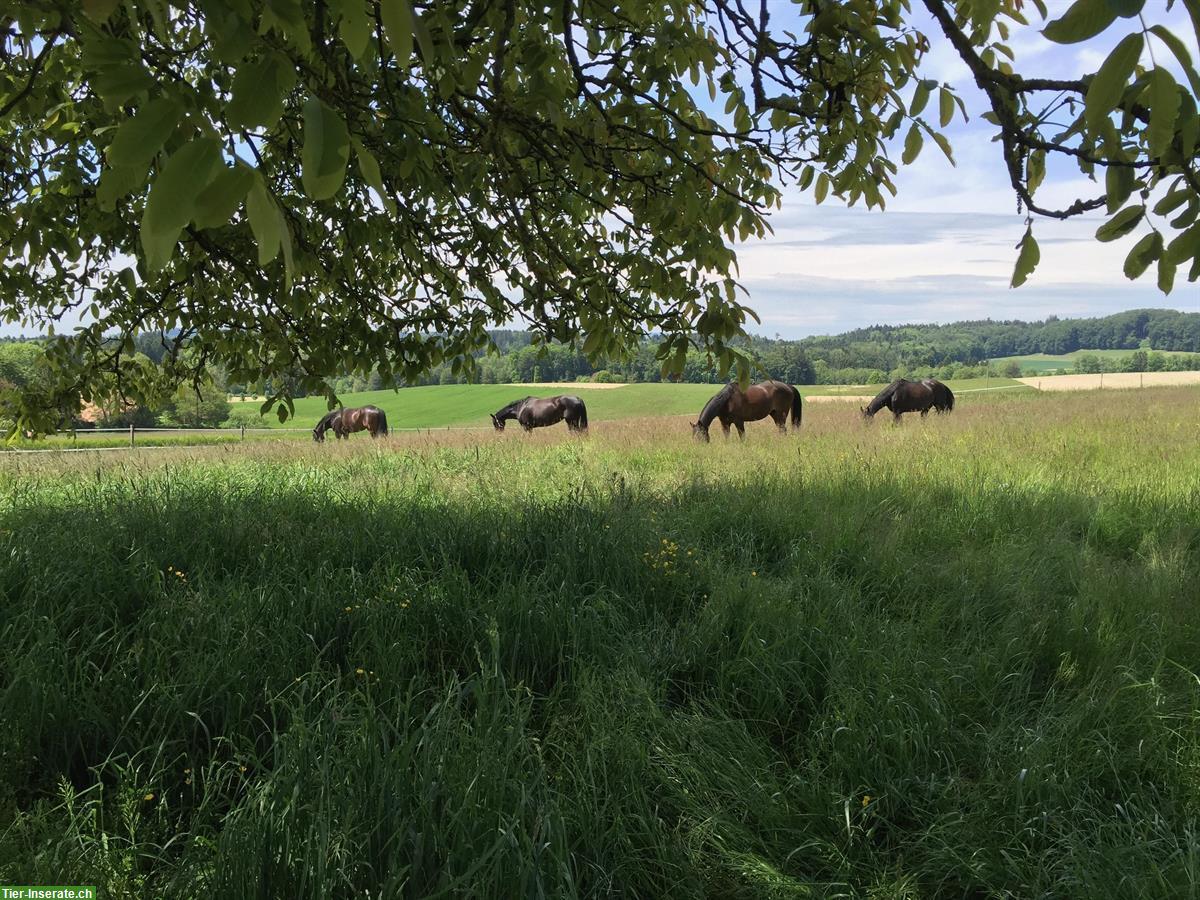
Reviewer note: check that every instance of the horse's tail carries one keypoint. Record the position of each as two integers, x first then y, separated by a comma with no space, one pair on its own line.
382,422
949,398
582,415
797,410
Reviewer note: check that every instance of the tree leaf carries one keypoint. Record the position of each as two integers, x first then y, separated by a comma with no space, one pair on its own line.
1118,185
1172,201
1085,19
369,167
1166,274
1163,96
822,187
119,82
117,182
264,221
259,89
99,10
231,36
944,144
1120,224
138,139
1027,259
1185,246
1126,9
1181,53
326,150
921,96
354,27
912,144
946,100
1108,84
1144,252
397,16
1035,170
172,197
219,201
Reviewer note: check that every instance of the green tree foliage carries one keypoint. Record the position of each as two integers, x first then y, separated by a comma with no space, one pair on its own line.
330,186
196,407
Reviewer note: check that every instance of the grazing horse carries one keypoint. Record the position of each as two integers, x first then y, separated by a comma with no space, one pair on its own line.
535,412
903,396
734,406
345,422
943,397
328,421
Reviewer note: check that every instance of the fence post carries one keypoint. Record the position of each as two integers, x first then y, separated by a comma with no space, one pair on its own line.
130,434
243,432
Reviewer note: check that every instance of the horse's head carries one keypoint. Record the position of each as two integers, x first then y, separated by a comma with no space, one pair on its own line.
319,434
700,432
866,415
498,424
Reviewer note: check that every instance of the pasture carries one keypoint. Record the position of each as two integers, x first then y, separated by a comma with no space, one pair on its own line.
461,405
956,658
1056,362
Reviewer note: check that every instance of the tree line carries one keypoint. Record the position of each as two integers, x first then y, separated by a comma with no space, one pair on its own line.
1158,340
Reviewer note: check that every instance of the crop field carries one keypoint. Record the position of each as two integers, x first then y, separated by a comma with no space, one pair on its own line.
439,406
955,658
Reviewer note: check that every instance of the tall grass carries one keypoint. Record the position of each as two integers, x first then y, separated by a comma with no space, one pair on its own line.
954,658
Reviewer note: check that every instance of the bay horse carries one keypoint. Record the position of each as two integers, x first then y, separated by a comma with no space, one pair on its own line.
733,406
903,396
536,412
345,422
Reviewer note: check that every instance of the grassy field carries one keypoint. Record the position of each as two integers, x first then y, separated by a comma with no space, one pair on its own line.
956,658
1045,362
470,404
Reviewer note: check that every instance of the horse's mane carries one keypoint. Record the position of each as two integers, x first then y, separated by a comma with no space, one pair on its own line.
327,419
512,407
883,396
713,406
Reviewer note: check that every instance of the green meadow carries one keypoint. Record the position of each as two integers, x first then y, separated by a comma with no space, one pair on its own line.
1046,362
955,658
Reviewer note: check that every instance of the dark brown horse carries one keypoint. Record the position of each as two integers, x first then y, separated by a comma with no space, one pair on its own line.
903,396
536,412
345,422
327,422
733,406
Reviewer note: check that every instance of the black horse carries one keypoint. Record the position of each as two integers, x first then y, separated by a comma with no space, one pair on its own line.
536,412
328,421
903,396
943,397
733,406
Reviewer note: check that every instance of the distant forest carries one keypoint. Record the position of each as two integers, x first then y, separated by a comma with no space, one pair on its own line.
1158,339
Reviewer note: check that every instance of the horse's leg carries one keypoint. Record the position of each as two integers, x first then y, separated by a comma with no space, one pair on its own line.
737,423
896,417
924,412
780,420
725,427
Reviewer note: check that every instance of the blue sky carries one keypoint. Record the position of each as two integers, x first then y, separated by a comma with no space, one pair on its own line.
944,248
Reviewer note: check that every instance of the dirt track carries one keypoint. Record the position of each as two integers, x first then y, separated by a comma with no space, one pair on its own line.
1110,380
